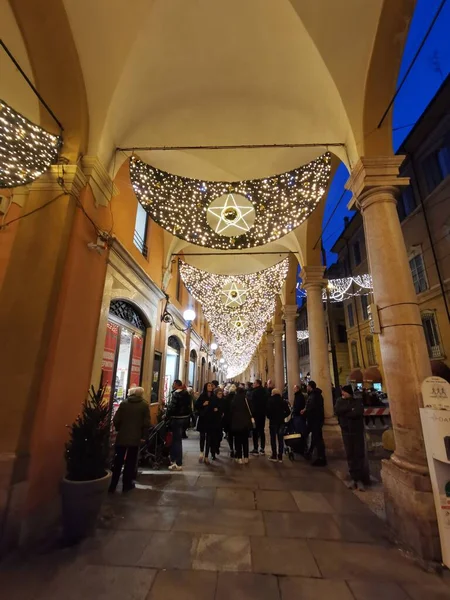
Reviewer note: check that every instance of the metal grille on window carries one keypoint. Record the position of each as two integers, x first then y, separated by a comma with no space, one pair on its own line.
355,357
371,356
127,313
431,335
174,342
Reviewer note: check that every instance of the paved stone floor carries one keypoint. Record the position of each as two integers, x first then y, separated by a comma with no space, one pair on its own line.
259,532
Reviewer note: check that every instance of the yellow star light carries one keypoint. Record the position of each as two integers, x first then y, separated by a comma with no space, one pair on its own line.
239,323
234,295
231,215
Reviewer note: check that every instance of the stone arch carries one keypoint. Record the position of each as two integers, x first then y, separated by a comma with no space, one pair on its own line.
382,76
57,71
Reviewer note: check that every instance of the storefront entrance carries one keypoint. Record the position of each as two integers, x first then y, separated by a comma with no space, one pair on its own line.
172,365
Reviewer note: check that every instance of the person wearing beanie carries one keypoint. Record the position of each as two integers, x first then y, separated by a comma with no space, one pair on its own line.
350,413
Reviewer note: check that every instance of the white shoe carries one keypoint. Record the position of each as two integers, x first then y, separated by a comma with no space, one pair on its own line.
245,461
175,467
201,457
239,461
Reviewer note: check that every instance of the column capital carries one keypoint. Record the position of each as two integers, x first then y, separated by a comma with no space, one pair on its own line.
99,180
313,276
73,177
278,330
290,312
270,339
374,172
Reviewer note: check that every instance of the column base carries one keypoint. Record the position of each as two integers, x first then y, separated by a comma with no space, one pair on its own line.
334,443
410,510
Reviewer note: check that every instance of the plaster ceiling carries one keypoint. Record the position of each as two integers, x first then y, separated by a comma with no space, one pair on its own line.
215,72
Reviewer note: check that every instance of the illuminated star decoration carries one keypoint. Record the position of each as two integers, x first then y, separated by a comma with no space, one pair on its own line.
237,328
231,215
234,295
279,204
26,150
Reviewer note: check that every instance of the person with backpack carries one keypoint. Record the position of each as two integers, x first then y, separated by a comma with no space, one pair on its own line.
277,410
315,417
242,423
178,412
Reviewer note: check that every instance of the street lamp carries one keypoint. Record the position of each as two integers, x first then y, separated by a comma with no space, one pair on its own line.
189,314
214,346
222,360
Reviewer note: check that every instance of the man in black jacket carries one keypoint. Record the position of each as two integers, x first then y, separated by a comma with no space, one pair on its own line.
178,411
315,417
350,413
258,404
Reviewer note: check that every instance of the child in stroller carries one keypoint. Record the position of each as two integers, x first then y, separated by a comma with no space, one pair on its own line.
293,442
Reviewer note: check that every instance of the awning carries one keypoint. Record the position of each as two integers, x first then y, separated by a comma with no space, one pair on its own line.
356,376
440,369
373,375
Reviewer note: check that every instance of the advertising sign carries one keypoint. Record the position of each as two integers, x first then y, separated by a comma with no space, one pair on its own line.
136,360
109,357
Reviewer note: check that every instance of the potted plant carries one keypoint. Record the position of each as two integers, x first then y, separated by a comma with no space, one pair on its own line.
86,483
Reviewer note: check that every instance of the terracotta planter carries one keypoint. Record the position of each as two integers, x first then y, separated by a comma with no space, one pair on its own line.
81,503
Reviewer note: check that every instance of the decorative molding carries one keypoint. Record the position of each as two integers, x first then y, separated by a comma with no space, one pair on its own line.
290,312
99,180
313,276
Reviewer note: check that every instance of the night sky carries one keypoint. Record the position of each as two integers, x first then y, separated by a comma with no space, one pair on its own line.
428,73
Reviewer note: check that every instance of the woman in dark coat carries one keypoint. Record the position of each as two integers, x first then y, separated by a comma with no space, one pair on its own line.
241,424
350,413
226,418
201,406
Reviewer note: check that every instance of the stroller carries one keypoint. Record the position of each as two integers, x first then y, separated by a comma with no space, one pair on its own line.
293,442
154,452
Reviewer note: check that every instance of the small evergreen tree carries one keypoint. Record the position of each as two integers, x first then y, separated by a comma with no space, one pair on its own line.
87,449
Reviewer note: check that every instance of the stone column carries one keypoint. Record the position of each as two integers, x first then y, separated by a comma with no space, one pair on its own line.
270,357
409,501
313,282
278,331
293,370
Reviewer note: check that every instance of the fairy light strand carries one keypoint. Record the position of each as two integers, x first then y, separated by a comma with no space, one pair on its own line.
280,203
26,150
237,328
341,289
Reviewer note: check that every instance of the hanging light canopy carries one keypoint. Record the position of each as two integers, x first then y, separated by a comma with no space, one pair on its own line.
26,150
239,325
224,215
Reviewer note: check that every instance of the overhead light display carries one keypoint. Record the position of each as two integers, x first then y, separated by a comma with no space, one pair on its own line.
230,215
233,294
344,288
26,150
302,335
238,328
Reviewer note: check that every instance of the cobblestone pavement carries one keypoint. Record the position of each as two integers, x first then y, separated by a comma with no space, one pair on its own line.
263,531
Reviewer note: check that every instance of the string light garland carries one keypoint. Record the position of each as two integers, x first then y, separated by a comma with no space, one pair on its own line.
302,335
340,289
189,208
26,150
237,328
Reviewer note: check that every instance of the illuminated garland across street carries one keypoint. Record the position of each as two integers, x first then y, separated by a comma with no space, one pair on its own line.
340,289
302,335
26,150
224,215
237,328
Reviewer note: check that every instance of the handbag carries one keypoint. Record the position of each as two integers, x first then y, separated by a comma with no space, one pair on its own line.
251,416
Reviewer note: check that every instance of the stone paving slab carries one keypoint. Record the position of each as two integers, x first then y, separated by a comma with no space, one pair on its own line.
281,556
303,588
223,553
220,521
302,525
184,585
247,586
275,500
235,498
170,550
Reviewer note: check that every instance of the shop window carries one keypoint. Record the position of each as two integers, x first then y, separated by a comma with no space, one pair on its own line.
432,334
355,356
371,356
351,319
140,230
418,272
364,307
357,253
192,368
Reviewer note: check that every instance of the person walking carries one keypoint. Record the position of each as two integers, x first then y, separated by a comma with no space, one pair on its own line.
315,417
258,403
298,418
277,410
241,424
350,413
178,413
201,407
131,421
